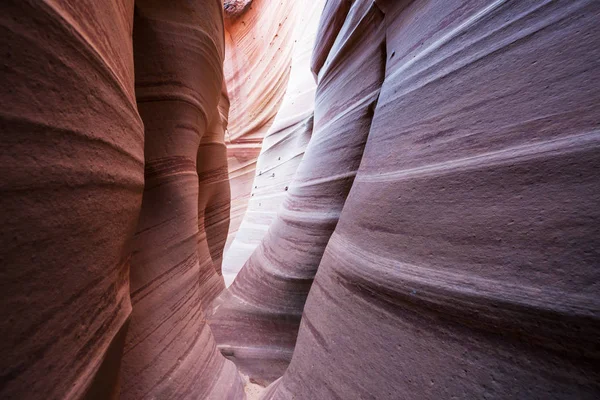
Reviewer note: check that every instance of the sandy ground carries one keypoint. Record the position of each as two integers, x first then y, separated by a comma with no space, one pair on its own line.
253,390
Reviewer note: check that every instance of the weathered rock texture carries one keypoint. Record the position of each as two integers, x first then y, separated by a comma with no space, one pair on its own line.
170,351
259,42
266,300
444,215
214,195
465,262
282,148
235,8
71,152
73,186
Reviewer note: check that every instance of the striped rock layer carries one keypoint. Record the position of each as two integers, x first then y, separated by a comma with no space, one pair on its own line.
86,151
282,149
258,54
465,261
170,351
72,158
257,322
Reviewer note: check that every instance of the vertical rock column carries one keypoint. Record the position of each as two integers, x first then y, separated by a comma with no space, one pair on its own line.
258,321
259,42
71,182
465,262
170,351
283,146
214,200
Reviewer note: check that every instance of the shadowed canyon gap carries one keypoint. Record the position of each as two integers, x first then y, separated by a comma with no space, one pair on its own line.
422,219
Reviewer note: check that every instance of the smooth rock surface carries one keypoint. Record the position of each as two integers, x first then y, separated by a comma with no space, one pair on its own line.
465,262
214,194
283,146
258,56
170,351
71,153
257,322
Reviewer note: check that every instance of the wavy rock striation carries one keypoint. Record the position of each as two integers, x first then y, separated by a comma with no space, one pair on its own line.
465,261
283,146
214,194
439,239
266,300
72,159
170,351
258,56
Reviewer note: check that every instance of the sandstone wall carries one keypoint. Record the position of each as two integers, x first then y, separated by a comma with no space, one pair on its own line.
283,146
259,42
79,167
170,351
72,157
465,261
258,320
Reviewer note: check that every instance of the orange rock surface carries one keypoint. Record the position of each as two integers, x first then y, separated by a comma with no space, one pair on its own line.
259,41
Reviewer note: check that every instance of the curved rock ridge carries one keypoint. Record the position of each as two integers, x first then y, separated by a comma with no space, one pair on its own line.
170,351
283,146
214,194
235,8
265,301
257,66
465,261
71,152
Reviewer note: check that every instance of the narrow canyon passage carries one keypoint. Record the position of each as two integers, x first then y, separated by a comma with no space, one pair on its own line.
336,199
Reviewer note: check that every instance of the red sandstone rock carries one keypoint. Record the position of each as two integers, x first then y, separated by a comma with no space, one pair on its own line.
266,300
70,193
283,146
465,262
170,351
214,196
258,58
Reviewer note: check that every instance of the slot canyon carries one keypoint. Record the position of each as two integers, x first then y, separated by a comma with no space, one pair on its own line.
277,200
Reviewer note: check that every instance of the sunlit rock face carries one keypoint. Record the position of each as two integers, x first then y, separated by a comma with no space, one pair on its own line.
170,351
258,57
72,158
465,261
257,323
283,146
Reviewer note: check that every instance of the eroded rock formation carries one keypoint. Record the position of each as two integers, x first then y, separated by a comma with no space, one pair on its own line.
259,42
72,157
170,351
465,261
283,146
267,297
439,239
74,148
214,194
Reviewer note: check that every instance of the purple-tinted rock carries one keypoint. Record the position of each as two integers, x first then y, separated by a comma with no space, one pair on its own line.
465,262
257,322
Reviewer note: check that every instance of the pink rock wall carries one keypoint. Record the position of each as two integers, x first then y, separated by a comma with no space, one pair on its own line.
259,42
170,351
465,261
266,300
283,146
439,238
214,194
72,159
73,153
